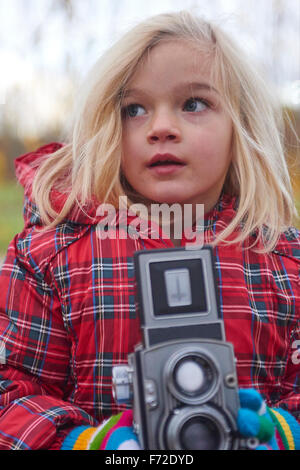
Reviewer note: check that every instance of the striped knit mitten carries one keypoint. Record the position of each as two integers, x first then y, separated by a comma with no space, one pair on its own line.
275,428
116,433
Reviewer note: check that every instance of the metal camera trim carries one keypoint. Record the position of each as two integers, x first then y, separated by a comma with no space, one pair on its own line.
162,319
170,367
178,255
182,415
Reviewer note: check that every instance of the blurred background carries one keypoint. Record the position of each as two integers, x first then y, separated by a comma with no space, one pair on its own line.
47,47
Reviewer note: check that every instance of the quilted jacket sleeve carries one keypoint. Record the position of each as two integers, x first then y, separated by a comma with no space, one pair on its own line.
34,360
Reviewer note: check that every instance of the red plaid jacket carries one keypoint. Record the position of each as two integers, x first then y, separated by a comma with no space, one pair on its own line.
67,316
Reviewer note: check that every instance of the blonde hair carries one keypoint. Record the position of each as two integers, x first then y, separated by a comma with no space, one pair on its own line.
89,165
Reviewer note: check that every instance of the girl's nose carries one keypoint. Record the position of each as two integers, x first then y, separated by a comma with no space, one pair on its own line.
163,127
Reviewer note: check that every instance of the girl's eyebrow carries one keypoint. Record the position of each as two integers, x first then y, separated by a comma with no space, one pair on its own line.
195,86
181,87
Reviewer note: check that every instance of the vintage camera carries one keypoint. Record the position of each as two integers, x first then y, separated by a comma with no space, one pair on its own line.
182,380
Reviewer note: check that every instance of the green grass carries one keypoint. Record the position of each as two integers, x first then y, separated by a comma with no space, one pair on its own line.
11,213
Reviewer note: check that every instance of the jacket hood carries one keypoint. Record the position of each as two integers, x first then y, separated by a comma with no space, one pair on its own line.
26,167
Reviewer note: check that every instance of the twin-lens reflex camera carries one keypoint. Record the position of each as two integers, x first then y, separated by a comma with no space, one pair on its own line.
182,380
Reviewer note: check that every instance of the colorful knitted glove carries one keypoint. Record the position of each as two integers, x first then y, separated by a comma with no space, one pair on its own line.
116,433
275,428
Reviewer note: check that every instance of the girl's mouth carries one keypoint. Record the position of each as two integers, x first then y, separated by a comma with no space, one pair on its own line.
165,168
165,164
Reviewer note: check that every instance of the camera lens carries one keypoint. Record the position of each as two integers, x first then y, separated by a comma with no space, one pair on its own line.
193,375
200,433
189,376
204,427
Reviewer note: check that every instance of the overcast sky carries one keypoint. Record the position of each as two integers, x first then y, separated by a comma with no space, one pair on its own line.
37,41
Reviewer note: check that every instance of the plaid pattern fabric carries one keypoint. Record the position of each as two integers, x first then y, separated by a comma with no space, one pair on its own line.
67,315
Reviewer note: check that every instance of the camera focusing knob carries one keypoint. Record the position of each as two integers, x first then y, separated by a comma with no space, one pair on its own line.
230,381
150,394
122,388
136,428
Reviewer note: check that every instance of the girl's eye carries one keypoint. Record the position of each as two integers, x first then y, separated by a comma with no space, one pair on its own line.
133,110
194,105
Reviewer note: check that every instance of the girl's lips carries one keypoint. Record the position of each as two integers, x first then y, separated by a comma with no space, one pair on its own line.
160,158
165,169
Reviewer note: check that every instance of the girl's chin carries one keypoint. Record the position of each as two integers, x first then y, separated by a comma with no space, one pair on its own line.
166,200
170,198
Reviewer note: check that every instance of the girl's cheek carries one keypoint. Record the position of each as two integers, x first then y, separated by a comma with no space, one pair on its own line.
195,118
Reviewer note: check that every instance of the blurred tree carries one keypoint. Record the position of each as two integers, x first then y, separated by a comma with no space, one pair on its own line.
278,16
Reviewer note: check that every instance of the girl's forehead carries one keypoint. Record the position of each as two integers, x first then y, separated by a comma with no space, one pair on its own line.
178,52
172,60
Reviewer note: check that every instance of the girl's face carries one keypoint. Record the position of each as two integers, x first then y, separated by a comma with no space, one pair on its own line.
176,145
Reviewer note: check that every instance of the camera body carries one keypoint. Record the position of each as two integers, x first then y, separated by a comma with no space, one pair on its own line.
182,379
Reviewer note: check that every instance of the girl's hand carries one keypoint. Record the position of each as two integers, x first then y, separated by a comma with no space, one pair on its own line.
115,434
275,429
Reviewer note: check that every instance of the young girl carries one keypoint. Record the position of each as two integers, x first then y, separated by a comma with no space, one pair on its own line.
172,113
